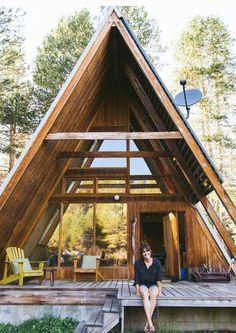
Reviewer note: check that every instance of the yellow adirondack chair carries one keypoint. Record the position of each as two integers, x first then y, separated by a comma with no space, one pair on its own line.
20,267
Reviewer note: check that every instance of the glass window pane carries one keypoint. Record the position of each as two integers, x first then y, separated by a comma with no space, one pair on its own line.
77,234
111,232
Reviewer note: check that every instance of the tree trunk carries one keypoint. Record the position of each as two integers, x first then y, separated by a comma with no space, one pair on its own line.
12,137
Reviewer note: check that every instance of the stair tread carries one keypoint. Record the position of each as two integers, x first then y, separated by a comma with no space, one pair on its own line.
111,305
81,328
110,321
94,330
95,319
115,306
107,305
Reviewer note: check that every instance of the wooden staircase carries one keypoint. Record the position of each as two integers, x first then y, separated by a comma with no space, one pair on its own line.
101,321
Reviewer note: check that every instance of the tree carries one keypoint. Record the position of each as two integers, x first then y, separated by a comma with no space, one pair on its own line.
204,53
146,30
16,120
15,116
205,56
56,58
11,42
112,222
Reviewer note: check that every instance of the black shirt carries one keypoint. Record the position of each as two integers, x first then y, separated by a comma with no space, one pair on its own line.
144,275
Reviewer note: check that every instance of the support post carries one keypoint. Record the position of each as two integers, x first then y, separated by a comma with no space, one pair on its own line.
61,227
122,319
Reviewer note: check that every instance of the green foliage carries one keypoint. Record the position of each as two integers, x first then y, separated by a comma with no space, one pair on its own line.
17,120
145,28
77,228
16,116
111,229
11,49
56,58
205,56
44,325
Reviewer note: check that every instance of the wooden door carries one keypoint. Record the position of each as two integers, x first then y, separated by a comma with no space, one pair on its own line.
171,241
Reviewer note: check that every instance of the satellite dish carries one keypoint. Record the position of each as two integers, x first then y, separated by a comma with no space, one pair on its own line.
187,97
192,96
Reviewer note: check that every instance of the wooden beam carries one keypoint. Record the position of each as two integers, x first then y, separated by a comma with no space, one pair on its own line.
114,136
60,239
71,173
148,177
166,169
109,185
188,174
113,154
60,103
94,223
96,172
109,197
177,119
128,166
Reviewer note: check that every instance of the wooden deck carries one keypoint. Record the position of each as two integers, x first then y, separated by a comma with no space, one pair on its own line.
185,294
182,294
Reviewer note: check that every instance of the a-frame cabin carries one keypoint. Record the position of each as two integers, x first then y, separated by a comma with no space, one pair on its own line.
115,93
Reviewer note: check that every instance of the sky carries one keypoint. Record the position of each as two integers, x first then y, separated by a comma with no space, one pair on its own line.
171,16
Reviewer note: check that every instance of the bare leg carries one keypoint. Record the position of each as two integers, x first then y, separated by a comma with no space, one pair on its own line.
146,304
153,292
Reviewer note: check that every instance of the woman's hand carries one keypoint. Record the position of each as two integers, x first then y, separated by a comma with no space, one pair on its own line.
137,290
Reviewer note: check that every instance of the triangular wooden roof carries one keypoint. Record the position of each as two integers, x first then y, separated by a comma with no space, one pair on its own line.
113,64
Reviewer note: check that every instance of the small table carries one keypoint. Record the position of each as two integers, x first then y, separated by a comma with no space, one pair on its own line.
51,270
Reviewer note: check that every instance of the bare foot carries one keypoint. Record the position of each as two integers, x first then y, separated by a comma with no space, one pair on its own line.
151,329
146,328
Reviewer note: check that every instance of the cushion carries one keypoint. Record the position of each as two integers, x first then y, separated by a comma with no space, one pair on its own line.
15,266
89,261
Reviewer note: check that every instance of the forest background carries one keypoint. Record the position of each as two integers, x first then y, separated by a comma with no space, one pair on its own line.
203,53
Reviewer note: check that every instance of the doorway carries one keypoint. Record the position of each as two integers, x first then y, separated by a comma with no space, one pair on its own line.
152,232
165,232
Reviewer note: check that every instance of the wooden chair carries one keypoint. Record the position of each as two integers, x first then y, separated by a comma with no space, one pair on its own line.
20,267
90,263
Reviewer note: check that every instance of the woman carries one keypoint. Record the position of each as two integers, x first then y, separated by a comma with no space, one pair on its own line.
148,282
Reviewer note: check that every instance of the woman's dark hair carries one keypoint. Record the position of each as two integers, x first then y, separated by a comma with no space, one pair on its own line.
144,246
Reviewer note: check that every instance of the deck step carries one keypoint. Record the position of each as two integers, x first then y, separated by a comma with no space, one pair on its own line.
111,305
107,305
110,321
95,319
81,328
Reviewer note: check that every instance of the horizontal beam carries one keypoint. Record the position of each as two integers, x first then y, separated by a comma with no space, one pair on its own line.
109,185
96,172
73,173
148,177
112,154
114,136
109,197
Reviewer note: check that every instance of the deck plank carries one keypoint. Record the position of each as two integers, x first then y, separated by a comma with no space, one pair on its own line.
182,293
125,289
